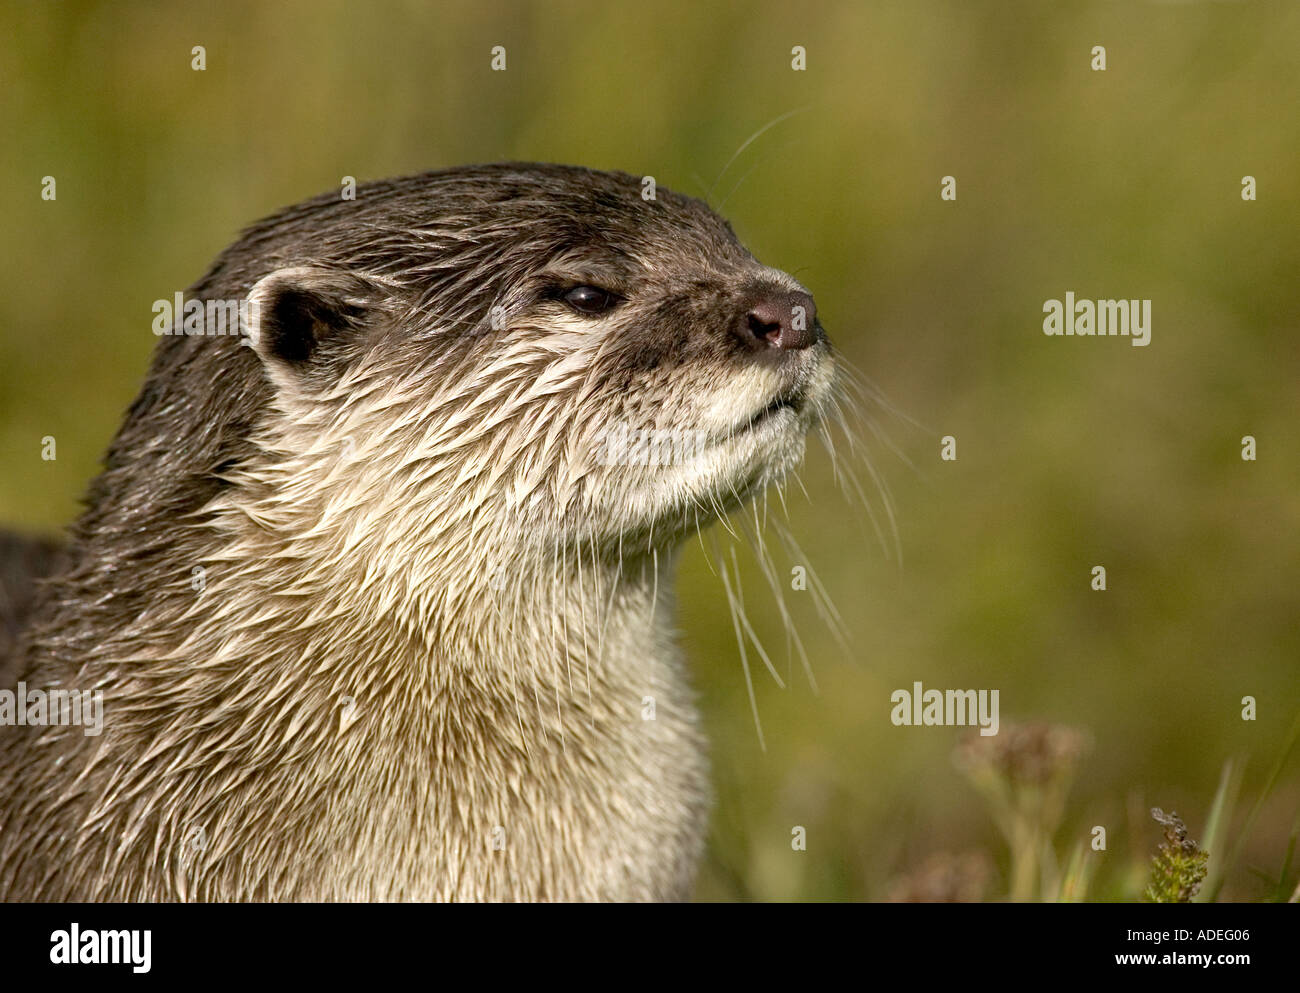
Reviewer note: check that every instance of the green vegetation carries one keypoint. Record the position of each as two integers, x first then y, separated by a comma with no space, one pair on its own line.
1179,866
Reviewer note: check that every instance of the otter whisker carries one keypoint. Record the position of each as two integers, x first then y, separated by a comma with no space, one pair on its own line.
837,401
853,490
799,480
750,140
699,533
881,485
748,172
822,602
749,628
879,433
779,486
768,568
857,382
887,500
744,656
828,442
722,515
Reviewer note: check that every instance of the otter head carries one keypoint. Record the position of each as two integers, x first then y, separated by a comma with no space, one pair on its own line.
525,357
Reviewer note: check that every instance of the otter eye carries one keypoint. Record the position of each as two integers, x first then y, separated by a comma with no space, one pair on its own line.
590,299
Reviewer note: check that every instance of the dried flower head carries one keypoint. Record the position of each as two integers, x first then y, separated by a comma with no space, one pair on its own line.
945,877
1025,754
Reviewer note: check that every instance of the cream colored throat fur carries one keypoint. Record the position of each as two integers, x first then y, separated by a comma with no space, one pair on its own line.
539,745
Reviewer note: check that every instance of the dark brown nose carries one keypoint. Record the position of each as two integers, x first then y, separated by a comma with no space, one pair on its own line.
781,319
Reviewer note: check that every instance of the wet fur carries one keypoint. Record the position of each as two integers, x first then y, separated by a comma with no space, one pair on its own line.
428,623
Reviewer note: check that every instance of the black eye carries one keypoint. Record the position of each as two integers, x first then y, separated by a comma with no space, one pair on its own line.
590,299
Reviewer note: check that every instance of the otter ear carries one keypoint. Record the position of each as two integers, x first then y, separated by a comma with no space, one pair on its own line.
308,317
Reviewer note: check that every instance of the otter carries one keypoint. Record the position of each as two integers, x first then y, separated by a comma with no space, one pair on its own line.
377,610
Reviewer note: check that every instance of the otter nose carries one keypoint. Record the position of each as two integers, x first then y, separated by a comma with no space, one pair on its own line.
785,320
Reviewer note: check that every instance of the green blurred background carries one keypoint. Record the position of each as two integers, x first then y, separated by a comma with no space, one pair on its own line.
1072,452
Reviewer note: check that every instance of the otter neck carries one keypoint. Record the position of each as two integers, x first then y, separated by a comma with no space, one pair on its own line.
551,638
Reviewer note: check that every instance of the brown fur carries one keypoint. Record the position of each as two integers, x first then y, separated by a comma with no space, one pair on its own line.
427,624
